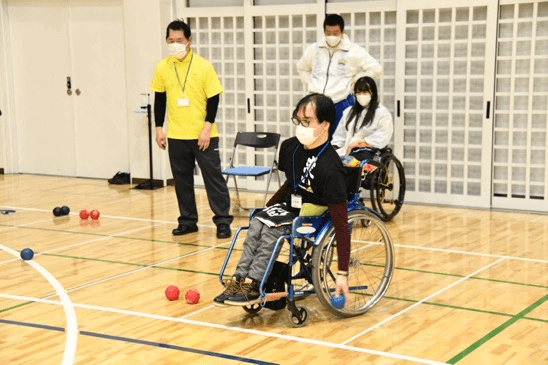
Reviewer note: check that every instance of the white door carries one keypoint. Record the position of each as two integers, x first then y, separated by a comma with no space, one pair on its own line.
520,163
82,132
446,53
40,50
100,113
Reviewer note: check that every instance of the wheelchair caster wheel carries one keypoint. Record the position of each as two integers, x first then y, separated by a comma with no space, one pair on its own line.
300,320
253,308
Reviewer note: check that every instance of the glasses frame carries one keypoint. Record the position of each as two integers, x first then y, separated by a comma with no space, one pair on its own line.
297,121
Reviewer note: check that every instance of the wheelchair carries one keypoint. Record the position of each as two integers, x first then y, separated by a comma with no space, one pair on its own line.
312,259
386,184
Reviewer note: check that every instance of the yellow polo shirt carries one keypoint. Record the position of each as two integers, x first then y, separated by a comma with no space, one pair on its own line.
186,122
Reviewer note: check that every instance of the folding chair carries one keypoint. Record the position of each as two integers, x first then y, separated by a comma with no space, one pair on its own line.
254,140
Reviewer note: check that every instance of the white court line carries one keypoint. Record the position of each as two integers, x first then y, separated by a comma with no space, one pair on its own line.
237,329
445,250
343,344
140,269
86,242
110,216
420,302
24,225
70,314
211,226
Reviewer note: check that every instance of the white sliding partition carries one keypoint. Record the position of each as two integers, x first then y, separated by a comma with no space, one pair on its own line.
520,166
372,25
446,53
254,53
466,82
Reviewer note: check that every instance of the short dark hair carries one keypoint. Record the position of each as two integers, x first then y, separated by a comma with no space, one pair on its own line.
178,25
323,106
332,20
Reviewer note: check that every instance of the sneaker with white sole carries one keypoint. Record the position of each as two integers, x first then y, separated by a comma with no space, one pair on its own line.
247,295
232,286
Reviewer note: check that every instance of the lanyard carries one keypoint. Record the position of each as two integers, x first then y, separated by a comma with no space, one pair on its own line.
186,77
309,167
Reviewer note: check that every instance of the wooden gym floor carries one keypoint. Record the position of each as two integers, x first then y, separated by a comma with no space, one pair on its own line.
470,287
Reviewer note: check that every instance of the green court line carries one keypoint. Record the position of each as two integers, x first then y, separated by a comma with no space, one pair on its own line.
472,278
15,306
227,275
483,311
496,331
226,248
130,263
109,235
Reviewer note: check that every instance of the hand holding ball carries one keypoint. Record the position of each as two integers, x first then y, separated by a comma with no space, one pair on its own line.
337,301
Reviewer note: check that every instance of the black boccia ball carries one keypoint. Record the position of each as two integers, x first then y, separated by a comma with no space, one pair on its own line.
57,212
27,254
65,210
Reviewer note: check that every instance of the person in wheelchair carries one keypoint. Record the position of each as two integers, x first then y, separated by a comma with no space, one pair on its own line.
365,124
314,183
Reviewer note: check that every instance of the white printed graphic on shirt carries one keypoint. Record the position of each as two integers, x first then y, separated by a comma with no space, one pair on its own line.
275,211
311,162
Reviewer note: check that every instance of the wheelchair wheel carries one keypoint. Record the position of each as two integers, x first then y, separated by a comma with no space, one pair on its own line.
300,320
388,188
370,267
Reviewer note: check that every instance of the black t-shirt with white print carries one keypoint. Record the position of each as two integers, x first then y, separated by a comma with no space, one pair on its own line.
324,184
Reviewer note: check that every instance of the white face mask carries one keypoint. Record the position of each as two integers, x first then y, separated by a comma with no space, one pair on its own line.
305,135
332,41
364,99
177,50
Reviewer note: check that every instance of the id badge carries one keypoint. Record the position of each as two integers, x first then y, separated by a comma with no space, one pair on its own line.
296,201
183,102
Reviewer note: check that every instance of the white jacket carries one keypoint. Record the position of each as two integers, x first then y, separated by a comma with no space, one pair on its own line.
378,134
333,72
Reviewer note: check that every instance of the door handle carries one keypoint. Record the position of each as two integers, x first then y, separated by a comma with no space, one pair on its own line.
69,86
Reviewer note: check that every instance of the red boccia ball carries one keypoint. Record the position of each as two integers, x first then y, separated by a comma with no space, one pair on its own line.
192,296
94,214
84,214
172,292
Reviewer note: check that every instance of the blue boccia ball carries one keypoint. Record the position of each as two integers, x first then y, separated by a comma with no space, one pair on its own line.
27,254
337,301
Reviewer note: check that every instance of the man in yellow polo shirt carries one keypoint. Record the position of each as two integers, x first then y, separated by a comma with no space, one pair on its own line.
188,85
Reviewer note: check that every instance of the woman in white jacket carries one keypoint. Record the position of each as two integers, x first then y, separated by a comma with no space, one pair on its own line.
366,124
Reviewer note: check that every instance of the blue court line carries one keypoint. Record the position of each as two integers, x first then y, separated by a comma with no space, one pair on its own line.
34,325
142,342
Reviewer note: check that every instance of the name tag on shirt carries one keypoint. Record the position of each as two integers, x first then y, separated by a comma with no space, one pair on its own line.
296,201
183,102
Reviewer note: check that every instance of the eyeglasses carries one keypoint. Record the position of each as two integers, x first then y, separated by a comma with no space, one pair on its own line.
297,121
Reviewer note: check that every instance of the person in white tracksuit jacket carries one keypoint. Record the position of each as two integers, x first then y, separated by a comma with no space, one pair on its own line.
332,65
366,124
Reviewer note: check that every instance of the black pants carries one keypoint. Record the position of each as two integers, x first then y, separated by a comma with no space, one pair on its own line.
183,155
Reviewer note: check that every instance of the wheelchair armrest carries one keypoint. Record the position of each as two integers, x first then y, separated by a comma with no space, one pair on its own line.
371,162
375,160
